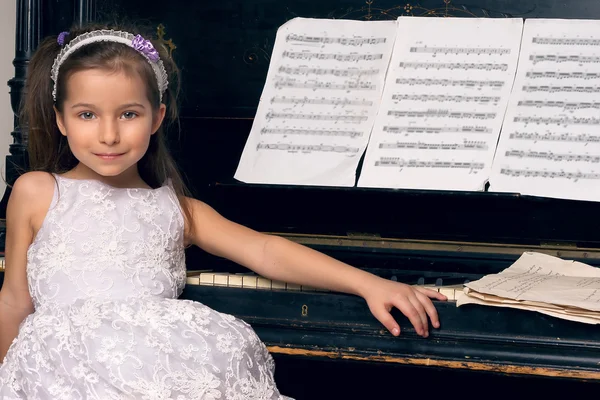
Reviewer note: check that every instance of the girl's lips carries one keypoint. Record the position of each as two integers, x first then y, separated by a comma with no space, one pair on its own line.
109,156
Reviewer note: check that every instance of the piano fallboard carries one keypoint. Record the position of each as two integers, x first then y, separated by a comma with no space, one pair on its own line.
331,325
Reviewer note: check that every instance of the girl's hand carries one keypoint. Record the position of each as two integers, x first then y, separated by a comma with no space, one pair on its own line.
414,302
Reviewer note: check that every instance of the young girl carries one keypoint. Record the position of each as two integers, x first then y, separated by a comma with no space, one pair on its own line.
96,238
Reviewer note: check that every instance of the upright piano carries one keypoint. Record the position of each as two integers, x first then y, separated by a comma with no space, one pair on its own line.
440,239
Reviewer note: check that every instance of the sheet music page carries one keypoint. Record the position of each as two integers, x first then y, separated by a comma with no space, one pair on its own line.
550,142
317,109
443,103
537,278
568,313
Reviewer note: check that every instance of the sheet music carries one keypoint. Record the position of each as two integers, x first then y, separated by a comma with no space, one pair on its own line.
443,103
318,106
550,142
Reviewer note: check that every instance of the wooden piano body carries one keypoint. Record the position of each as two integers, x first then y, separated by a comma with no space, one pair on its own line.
419,237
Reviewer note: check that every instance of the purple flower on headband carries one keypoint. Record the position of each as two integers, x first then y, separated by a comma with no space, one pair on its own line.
145,47
61,38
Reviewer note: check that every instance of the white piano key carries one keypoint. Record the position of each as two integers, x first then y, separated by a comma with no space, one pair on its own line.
263,283
221,279
235,280
249,282
277,285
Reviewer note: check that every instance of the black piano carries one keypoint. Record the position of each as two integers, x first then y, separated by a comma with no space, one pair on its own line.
436,238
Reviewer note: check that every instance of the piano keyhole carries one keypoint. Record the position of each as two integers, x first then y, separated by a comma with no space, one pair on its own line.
304,310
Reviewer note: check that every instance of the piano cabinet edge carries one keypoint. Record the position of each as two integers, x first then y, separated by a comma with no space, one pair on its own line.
429,362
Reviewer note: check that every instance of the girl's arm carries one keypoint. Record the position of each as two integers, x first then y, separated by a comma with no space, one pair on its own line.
279,259
28,197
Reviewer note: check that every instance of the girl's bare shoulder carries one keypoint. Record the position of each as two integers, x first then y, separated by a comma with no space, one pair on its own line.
31,196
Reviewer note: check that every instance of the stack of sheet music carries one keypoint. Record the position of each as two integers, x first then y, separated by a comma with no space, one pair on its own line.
542,283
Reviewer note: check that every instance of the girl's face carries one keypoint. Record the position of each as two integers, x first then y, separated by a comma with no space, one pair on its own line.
108,121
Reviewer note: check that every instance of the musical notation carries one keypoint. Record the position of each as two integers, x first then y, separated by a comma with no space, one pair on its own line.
466,145
550,131
437,75
563,58
348,86
307,147
319,102
554,41
563,75
328,71
564,121
575,105
453,66
436,129
549,155
573,176
556,137
441,98
460,50
356,41
314,132
318,117
398,162
558,89
441,114
308,56
450,82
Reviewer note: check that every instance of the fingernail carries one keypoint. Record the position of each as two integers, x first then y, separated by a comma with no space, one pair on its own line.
396,331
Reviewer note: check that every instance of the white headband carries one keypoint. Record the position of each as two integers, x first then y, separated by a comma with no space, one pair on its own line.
137,42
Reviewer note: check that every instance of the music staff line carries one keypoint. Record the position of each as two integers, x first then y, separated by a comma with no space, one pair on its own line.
293,84
337,118
556,137
402,163
449,82
566,41
436,130
307,148
466,145
441,114
320,101
328,71
357,42
331,56
564,121
563,59
559,104
562,75
459,50
551,156
310,132
453,66
526,173
562,89
447,98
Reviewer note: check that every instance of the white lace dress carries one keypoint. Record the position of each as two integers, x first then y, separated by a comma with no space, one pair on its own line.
104,272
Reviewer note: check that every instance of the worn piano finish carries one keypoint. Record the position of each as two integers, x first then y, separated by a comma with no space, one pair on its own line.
223,48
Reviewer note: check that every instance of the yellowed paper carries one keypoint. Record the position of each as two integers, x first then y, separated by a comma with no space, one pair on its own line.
538,282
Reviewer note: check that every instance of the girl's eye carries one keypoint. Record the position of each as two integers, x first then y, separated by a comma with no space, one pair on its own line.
129,115
86,115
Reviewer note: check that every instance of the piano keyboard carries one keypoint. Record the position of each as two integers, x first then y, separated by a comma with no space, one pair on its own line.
256,282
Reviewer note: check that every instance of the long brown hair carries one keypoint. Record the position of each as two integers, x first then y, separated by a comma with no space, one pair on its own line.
48,149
